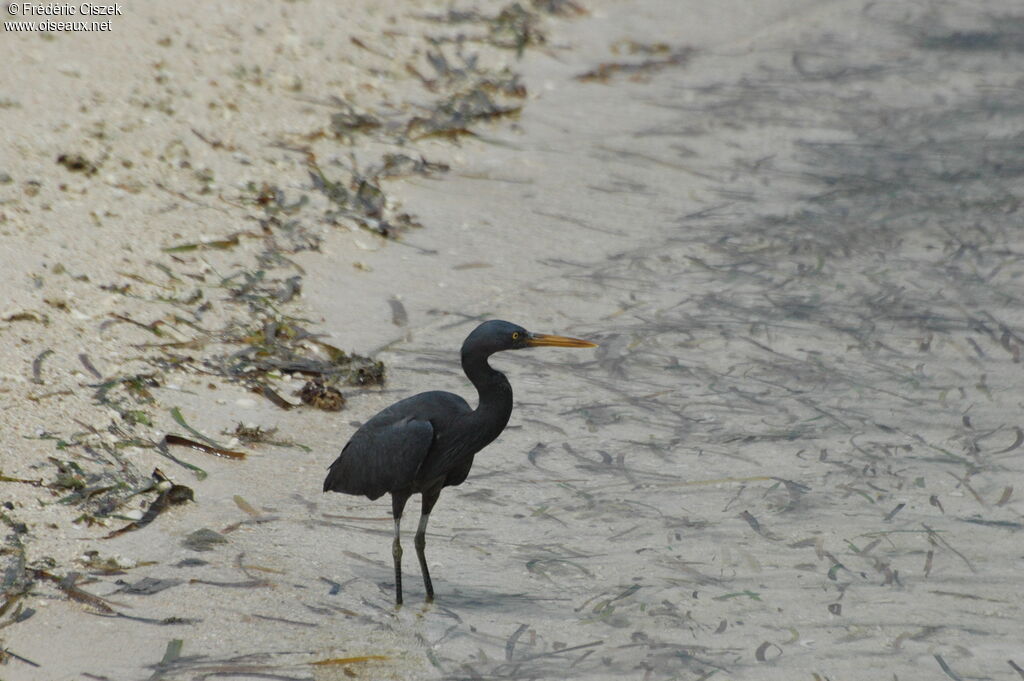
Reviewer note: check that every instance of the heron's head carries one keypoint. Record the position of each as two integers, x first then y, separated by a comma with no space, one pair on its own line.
497,335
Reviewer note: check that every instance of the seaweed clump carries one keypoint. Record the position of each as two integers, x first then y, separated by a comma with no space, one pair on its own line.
285,348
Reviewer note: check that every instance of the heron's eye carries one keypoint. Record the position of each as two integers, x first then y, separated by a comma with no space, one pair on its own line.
515,335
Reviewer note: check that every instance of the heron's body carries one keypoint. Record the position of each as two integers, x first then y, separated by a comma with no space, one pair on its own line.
427,442
419,443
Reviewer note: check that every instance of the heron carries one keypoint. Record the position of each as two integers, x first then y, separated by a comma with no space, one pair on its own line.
427,442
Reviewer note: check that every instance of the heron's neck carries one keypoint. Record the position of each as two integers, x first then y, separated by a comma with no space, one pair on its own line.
495,392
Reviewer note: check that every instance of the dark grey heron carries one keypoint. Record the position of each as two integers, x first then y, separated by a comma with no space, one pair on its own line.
426,442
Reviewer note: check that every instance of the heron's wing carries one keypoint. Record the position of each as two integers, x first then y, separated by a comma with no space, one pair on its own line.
381,457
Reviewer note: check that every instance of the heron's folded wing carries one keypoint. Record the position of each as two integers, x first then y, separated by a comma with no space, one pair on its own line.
381,458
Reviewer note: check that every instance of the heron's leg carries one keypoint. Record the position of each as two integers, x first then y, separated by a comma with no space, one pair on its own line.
429,499
397,506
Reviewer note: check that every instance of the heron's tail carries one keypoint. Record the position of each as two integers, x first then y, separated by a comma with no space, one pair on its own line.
334,481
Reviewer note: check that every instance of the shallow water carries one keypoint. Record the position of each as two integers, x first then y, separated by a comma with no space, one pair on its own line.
793,450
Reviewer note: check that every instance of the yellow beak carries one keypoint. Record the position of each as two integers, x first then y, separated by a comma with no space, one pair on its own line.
539,339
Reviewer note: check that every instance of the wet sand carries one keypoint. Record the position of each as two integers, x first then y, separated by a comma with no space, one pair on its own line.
794,455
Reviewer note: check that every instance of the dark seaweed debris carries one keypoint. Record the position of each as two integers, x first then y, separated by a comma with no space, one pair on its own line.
321,396
77,163
604,72
204,539
402,165
6,654
91,471
289,349
16,577
347,122
468,92
99,494
129,395
255,434
456,115
361,201
170,494
457,71
515,28
564,8
205,448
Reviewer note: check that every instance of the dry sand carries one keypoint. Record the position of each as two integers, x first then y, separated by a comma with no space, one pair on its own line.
795,454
